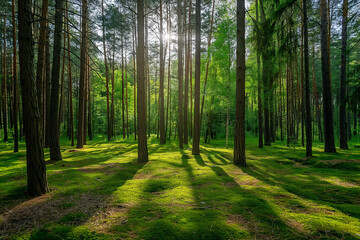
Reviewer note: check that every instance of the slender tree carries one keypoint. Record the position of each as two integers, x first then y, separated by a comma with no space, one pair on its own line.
196,138
239,139
180,73
36,167
162,76
106,73
307,83
4,88
327,95
55,154
260,110
15,82
71,115
141,93
83,47
342,113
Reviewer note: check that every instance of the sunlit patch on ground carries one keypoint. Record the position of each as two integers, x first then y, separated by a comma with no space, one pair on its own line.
101,192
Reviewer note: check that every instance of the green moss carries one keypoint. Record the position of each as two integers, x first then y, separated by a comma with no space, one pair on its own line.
101,192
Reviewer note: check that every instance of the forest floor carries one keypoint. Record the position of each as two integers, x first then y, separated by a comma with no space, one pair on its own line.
101,192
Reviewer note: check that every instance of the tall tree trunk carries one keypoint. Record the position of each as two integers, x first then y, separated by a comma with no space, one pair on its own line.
36,167
109,133
302,112
197,124
55,154
62,81
71,115
169,73
180,73
307,84
4,86
343,124
126,101
162,77
83,47
147,75
122,88
89,122
40,70
48,91
239,139
327,95
133,47
15,82
186,82
86,93
141,94
112,121
260,110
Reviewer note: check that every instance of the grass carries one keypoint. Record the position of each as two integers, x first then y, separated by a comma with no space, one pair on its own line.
101,192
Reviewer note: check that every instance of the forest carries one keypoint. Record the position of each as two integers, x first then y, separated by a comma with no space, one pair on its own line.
179,119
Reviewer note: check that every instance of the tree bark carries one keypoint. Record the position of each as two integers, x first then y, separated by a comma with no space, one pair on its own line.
55,154
133,46
122,89
197,124
71,115
142,140
180,73
83,47
15,82
162,77
36,167
343,124
327,95
260,110
239,139
307,84
4,89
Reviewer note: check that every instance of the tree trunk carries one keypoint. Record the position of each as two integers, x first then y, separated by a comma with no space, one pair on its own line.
122,88
327,95
260,110
15,82
343,124
307,84
4,89
89,122
48,91
239,139
71,115
186,82
36,167
133,46
40,70
55,154
169,74
126,101
162,76
112,121
197,124
62,81
142,141
83,47
180,73
109,133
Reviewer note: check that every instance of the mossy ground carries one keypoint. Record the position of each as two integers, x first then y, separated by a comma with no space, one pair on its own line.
101,192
